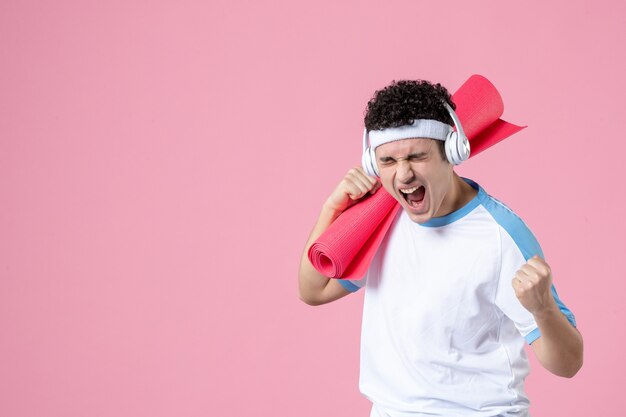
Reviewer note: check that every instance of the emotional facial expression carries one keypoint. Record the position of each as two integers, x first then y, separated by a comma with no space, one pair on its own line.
415,174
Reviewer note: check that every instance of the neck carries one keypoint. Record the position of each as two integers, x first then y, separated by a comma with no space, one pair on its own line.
459,194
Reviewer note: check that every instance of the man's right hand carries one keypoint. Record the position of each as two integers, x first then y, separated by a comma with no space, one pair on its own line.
354,186
315,288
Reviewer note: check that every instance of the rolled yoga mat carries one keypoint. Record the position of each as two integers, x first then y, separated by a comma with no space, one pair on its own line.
347,247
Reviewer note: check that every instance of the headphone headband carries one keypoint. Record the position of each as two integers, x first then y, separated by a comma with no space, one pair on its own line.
456,143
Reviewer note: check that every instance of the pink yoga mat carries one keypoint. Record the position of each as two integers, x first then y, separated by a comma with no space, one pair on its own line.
479,107
347,247
354,235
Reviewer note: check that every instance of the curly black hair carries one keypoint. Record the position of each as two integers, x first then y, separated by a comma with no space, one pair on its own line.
403,101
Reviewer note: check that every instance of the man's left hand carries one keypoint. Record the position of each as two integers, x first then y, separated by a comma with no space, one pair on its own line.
532,284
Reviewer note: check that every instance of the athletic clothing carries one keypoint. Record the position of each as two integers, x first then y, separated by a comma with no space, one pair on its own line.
443,332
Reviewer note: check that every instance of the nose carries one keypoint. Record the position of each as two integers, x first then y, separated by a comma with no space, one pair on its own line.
404,173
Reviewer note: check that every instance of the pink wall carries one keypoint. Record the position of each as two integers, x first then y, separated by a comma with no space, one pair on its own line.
161,165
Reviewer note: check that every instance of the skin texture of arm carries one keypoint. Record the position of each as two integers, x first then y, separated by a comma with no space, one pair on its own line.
315,288
560,347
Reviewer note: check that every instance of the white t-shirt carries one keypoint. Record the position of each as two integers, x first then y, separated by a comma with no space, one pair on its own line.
443,332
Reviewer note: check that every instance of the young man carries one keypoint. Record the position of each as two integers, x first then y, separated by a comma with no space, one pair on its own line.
458,285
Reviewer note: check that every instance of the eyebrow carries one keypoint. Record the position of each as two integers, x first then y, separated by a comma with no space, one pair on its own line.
412,155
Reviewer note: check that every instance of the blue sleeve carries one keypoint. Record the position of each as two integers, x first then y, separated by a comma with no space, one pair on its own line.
536,333
353,285
526,247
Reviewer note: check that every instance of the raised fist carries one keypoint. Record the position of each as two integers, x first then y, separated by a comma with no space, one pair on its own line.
354,186
532,285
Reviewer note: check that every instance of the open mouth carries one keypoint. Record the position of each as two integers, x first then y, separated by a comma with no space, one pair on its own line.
414,196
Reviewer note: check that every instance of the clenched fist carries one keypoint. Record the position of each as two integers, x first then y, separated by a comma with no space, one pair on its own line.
532,285
354,186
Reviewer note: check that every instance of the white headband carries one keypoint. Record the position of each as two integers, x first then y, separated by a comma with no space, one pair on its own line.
420,128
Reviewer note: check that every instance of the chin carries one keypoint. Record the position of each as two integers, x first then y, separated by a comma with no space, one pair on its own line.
419,218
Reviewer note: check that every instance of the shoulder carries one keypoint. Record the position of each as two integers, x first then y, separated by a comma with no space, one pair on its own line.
513,227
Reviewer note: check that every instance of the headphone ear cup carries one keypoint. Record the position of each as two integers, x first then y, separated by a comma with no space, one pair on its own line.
368,159
451,147
374,165
457,148
457,145
365,161
369,163
463,149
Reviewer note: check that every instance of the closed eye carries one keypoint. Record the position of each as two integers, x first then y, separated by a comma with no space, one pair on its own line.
418,156
386,160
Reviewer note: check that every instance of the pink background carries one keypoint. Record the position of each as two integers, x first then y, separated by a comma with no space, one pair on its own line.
162,163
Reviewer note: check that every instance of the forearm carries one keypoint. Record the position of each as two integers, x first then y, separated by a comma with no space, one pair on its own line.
354,186
310,281
560,347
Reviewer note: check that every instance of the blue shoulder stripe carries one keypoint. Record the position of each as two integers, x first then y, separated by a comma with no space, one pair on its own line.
348,285
527,244
514,226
